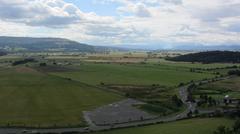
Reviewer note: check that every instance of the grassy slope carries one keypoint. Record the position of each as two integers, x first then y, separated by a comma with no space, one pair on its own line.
231,84
132,74
27,96
193,126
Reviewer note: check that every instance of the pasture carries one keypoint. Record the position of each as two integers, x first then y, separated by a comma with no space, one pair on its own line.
191,126
132,74
220,89
32,98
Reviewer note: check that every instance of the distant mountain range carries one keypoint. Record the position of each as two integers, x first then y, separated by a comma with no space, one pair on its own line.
183,47
18,44
42,44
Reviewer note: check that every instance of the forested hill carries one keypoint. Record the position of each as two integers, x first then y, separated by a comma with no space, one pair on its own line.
210,57
2,53
42,44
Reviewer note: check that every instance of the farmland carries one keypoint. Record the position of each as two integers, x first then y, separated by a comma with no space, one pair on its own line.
219,90
132,74
56,93
31,98
192,126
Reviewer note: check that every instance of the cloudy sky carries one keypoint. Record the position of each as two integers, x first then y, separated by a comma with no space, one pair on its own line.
124,22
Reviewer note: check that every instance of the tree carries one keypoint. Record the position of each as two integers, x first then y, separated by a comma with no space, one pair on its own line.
189,114
222,130
43,64
177,101
236,127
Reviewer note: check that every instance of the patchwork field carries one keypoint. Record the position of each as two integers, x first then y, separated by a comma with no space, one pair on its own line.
31,98
192,126
132,74
220,89
57,92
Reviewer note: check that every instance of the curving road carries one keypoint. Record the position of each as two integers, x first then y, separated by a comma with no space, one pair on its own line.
183,93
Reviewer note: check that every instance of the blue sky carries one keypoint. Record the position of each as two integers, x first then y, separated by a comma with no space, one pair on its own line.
163,23
92,6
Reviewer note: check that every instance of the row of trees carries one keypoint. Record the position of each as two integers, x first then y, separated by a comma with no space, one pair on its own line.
234,72
210,57
24,61
2,53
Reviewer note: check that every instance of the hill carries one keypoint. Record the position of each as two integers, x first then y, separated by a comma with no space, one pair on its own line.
42,44
2,53
210,57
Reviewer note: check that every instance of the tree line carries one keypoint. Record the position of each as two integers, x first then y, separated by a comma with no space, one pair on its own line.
209,57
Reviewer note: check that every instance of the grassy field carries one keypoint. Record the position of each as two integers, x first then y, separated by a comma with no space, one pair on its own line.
220,89
132,74
193,126
60,92
33,98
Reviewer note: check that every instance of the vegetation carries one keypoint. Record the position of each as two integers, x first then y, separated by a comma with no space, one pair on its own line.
213,94
132,74
192,126
234,72
32,98
2,53
24,61
43,44
210,57
54,90
220,89
235,129
160,100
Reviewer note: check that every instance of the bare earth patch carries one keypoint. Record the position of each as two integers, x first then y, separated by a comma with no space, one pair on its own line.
117,113
25,70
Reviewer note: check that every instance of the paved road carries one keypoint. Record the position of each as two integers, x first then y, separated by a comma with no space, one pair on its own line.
182,92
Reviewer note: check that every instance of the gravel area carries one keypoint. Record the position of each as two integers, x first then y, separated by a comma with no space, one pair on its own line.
117,113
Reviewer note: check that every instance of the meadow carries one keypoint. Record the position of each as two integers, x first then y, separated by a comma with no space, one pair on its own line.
132,74
191,126
32,98
220,89
57,94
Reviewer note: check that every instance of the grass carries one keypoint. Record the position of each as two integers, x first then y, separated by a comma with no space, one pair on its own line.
159,99
220,89
192,126
33,98
132,74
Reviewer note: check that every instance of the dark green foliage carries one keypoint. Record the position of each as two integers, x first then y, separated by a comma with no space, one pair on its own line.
224,130
210,57
177,101
2,53
19,62
43,64
234,72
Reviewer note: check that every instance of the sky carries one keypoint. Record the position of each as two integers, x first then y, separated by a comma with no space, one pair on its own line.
165,23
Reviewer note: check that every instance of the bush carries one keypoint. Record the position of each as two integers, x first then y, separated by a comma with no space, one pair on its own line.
234,72
43,64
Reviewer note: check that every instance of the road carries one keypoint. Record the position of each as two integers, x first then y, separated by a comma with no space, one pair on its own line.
183,93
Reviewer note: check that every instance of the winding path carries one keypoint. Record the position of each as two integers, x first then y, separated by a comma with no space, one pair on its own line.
183,93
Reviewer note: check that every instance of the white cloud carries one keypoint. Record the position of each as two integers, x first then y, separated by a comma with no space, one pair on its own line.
49,13
139,9
139,22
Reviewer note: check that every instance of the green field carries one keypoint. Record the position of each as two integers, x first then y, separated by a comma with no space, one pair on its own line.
220,89
31,98
58,93
192,126
132,74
